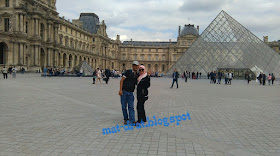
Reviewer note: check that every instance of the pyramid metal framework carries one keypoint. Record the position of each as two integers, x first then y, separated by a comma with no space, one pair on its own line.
225,43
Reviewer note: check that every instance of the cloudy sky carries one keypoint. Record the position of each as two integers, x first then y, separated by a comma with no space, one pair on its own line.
158,20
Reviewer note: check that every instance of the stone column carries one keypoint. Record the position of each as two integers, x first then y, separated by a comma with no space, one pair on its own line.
21,23
37,27
17,22
36,55
55,58
20,53
49,57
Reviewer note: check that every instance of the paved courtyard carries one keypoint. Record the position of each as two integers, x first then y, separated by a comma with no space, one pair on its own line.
65,116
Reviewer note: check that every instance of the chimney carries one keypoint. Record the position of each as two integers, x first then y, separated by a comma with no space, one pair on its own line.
265,39
179,31
130,40
118,37
169,40
198,29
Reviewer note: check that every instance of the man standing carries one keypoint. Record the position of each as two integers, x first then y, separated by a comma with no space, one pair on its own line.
127,86
175,76
5,72
107,74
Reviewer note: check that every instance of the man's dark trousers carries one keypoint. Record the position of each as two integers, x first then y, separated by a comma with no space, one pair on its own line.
175,80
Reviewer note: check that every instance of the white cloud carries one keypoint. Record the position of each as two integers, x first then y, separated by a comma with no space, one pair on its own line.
159,19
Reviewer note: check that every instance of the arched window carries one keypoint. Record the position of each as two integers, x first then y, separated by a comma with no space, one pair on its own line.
123,56
163,68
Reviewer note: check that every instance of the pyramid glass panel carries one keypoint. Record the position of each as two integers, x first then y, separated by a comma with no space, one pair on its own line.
226,44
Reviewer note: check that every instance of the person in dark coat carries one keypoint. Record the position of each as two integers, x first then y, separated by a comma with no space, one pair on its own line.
175,76
143,83
107,74
94,76
263,78
186,76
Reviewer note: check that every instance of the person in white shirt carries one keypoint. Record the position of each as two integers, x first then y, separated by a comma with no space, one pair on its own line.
230,77
5,72
14,72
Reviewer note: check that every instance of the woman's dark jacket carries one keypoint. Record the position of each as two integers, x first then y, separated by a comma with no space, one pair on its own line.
142,88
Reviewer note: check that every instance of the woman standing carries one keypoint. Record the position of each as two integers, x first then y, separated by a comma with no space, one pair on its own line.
143,84
99,75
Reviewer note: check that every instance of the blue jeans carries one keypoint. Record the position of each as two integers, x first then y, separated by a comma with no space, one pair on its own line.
174,80
128,99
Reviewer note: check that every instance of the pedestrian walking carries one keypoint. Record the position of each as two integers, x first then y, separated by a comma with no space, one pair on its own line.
93,76
226,78
5,72
127,87
107,74
14,70
249,78
186,76
269,78
230,76
175,76
272,78
263,79
99,75
143,84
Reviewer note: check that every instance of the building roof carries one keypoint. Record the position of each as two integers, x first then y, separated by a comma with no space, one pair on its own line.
147,43
189,30
89,14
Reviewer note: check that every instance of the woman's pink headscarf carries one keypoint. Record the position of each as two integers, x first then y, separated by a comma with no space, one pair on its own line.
142,75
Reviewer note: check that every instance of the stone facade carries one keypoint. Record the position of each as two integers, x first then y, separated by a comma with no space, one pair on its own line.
33,36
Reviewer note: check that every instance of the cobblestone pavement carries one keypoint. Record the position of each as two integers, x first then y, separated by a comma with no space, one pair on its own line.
65,116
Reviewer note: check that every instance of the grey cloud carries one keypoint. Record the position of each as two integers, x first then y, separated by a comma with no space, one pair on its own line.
202,5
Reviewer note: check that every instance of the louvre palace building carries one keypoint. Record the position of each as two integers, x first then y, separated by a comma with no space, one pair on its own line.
33,36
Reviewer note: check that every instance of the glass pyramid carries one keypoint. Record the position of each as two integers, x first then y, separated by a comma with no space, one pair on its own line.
226,44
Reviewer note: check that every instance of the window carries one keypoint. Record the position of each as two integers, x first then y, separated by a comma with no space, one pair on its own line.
142,57
156,57
123,56
149,67
6,24
42,30
135,56
163,68
26,27
163,58
7,4
149,57
93,39
71,32
66,29
60,27
135,49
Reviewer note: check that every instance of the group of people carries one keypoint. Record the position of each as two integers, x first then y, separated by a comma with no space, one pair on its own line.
216,77
262,78
11,70
138,78
53,71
